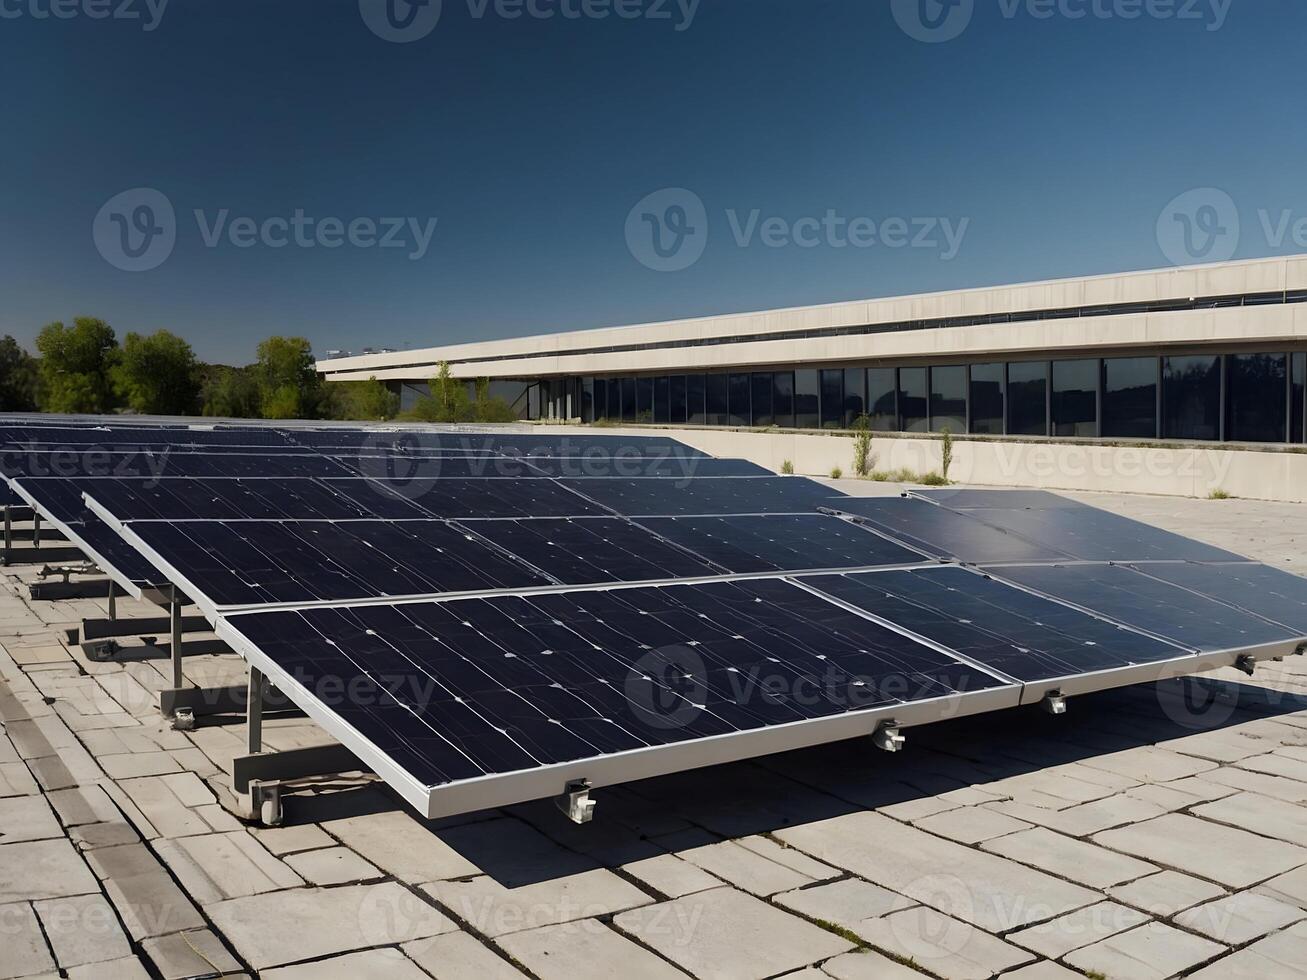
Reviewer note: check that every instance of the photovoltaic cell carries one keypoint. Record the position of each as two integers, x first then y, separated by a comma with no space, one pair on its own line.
257,562
1024,636
464,689
594,550
781,542
1258,589
711,495
942,532
474,499
180,499
667,467
966,498
1146,603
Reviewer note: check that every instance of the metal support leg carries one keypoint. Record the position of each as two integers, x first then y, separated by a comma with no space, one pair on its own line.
254,712
9,531
113,600
36,530
175,626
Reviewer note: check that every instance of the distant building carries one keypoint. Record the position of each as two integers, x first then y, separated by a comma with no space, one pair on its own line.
1216,353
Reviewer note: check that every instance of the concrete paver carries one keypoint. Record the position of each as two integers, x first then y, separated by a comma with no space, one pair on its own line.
1166,892
1070,858
1233,857
375,964
724,934
1240,918
458,956
23,951
1277,957
276,928
332,866
34,870
1082,927
82,929
942,944
1150,952
967,884
579,949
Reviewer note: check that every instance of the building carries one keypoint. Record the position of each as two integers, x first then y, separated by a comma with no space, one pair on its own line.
1214,353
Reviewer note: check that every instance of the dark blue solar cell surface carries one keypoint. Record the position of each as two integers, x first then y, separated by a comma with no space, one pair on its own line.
781,542
480,686
253,562
710,495
1146,603
1025,636
594,550
1258,589
942,532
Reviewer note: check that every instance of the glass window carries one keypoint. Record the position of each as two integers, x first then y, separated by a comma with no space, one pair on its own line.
628,400
601,398
1027,398
913,399
695,389
716,407
782,404
987,395
676,399
807,400
832,399
882,399
1191,397
761,385
615,399
740,411
1130,398
855,393
587,399
1075,398
644,396
948,398
662,407
1255,393
1297,394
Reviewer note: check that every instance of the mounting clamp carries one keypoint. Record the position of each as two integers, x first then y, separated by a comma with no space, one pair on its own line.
887,736
265,801
1246,663
576,803
1054,703
183,720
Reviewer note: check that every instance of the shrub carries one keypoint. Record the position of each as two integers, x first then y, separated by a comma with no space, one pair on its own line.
947,451
862,458
787,468
934,480
836,473
1218,494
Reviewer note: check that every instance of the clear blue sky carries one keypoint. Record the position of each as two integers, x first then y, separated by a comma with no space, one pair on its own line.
1059,140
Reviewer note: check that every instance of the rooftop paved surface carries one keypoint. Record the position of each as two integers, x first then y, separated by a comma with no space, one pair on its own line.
1154,831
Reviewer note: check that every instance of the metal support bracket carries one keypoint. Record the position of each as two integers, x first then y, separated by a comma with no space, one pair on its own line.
887,737
183,720
265,802
576,803
1246,663
1054,703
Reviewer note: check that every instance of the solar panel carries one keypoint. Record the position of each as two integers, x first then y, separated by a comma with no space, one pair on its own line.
781,542
259,562
942,532
708,495
1257,589
1024,636
467,701
1147,603
594,550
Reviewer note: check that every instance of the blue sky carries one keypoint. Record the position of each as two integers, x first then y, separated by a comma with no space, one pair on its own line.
834,153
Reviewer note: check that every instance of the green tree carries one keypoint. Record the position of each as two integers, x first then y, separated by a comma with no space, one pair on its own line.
75,365
289,387
18,378
369,400
157,375
230,392
450,396
487,408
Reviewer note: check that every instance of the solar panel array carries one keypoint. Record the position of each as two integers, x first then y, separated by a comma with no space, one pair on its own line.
509,611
